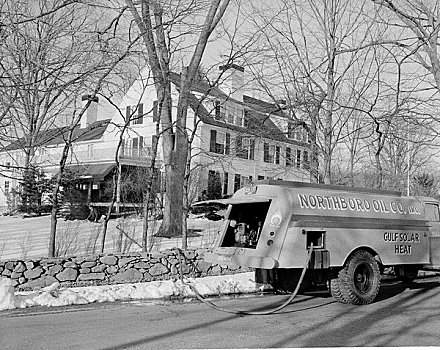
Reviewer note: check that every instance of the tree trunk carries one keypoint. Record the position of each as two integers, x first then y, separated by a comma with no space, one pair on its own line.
109,210
55,192
147,195
314,163
328,128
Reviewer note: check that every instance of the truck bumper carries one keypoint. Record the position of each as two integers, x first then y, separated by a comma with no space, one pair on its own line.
241,260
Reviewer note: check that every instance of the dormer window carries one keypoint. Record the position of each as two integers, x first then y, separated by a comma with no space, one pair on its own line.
90,151
235,115
229,113
219,111
297,132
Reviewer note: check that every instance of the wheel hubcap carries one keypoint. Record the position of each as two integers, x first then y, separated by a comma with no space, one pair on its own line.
362,276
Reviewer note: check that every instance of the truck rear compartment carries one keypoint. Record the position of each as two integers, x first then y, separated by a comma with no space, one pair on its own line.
245,223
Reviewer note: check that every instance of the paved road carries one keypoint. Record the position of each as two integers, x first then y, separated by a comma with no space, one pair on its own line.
402,316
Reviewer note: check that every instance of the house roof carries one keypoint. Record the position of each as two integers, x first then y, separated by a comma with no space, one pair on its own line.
200,86
57,136
92,171
258,122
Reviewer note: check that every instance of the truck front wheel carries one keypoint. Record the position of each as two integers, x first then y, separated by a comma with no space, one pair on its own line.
334,287
359,280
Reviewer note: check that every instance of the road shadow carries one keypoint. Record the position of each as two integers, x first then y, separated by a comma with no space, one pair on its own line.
403,308
391,289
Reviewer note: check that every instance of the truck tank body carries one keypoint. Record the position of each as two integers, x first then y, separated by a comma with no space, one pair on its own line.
272,223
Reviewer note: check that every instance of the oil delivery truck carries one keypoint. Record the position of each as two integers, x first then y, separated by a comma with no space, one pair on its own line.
354,235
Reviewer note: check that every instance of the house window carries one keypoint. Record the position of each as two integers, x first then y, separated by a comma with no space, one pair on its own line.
41,151
239,117
6,187
306,163
299,135
225,183
267,155
8,165
246,118
245,181
260,177
271,153
214,185
89,151
237,182
220,142
298,158
288,156
137,146
138,117
134,114
231,116
245,147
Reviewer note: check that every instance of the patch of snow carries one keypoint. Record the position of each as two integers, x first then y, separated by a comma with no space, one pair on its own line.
54,296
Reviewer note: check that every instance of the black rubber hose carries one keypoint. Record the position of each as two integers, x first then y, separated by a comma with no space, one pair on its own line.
243,312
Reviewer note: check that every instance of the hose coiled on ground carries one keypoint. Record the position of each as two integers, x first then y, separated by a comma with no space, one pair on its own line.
244,312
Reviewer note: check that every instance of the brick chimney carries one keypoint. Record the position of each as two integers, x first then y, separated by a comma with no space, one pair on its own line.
233,81
91,114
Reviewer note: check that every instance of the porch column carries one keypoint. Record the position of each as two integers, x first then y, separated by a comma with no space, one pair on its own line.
89,191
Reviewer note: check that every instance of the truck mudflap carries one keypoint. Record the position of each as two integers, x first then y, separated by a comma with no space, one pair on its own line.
241,260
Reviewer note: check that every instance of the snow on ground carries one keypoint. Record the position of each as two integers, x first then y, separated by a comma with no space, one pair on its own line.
26,238
29,237
55,296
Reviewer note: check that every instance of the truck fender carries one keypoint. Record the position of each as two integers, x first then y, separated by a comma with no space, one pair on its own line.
368,249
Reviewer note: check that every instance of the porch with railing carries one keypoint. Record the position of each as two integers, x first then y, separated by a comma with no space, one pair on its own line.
127,155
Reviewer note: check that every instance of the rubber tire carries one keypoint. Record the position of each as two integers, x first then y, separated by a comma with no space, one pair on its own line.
359,280
335,289
287,280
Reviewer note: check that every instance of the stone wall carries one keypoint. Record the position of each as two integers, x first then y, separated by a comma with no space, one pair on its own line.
108,269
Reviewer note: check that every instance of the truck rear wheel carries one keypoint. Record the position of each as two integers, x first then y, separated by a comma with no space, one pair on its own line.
359,280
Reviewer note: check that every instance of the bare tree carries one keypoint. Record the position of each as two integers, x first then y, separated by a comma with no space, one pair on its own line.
307,60
421,19
157,24
53,52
